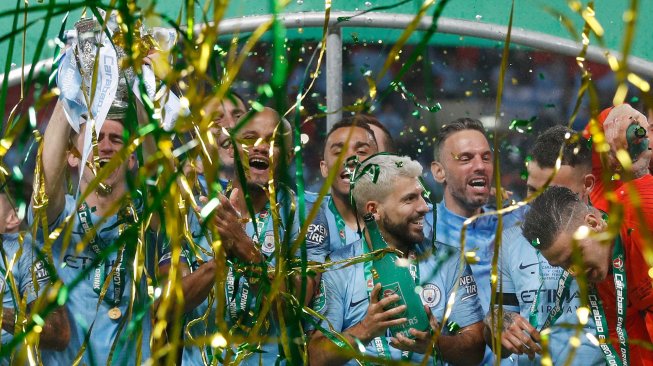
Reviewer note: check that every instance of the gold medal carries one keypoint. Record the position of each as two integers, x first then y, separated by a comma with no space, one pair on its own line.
115,313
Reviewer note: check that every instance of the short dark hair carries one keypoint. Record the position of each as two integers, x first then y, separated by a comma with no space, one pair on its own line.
232,94
576,149
460,124
208,87
354,121
550,214
373,121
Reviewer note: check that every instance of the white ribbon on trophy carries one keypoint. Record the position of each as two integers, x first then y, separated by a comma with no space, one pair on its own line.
170,103
171,108
73,85
107,84
149,81
69,81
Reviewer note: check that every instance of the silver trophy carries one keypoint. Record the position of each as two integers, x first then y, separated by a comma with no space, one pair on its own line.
89,38
127,75
120,103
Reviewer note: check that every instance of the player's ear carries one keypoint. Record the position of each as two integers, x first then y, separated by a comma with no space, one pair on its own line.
438,172
372,207
588,182
324,169
594,220
290,154
131,162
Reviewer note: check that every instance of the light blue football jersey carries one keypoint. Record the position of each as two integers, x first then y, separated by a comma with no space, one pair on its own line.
521,268
479,238
269,352
326,221
204,186
311,197
82,304
22,270
344,297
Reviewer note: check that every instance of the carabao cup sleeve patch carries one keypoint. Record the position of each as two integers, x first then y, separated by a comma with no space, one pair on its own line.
319,301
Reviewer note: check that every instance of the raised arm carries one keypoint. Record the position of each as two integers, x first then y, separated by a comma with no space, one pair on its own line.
8,324
55,150
149,145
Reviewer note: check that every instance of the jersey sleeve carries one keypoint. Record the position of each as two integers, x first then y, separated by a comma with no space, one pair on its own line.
330,300
293,228
511,239
317,238
32,275
69,207
164,249
466,309
287,203
642,216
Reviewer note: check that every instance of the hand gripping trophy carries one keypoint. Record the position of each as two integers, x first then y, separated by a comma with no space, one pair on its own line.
95,78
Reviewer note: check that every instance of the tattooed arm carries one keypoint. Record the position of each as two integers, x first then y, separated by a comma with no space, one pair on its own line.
517,335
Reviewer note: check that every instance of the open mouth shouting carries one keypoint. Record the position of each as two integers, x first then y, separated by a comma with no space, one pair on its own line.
344,176
479,184
104,188
103,161
259,163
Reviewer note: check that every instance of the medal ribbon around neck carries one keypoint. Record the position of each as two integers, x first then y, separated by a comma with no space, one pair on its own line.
99,277
621,292
239,303
562,292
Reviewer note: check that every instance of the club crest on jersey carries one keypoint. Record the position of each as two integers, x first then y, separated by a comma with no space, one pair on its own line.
618,263
268,244
430,295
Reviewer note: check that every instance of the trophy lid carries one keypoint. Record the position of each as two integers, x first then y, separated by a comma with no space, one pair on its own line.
117,111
